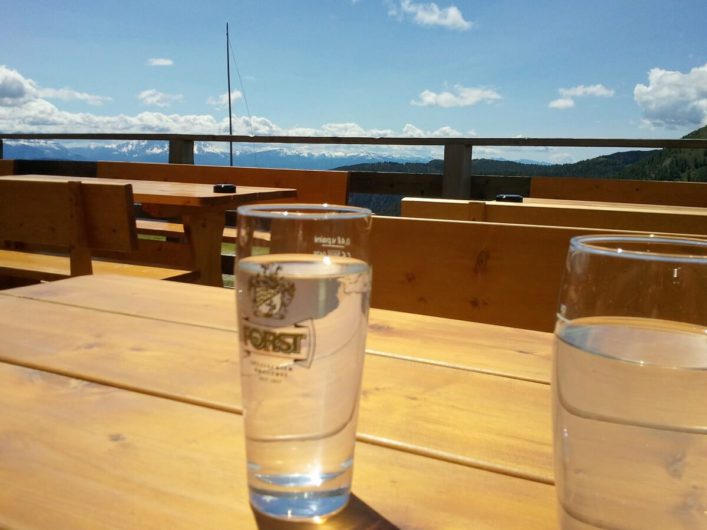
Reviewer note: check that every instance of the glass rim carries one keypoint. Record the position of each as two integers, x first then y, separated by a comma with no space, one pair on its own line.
304,211
598,245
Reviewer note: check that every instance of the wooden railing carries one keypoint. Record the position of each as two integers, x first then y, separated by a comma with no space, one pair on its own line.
457,181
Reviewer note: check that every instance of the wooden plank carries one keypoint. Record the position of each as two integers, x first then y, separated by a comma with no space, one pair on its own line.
34,266
158,227
556,212
127,460
7,167
451,209
510,432
311,185
613,205
483,421
50,267
456,180
177,194
110,221
494,273
42,213
634,191
170,230
512,352
637,218
396,183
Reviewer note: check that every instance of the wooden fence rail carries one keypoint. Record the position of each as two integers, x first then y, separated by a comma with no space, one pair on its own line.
456,182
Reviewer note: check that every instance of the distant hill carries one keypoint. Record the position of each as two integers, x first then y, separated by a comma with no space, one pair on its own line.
672,164
603,166
657,164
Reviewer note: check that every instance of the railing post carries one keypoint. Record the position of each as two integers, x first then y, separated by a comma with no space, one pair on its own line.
1,155
181,151
456,183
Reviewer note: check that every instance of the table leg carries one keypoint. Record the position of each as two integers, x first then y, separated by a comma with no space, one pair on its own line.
204,233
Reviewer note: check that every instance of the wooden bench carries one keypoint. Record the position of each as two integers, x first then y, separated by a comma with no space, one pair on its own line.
612,190
313,186
50,229
615,216
495,273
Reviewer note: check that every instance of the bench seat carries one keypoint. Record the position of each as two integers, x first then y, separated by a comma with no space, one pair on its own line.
50,267
170,230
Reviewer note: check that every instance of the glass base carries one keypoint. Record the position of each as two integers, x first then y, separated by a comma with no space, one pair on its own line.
312,506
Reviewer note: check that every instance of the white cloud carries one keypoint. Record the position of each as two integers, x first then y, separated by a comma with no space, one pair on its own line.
444,132
23,109
561,103
430,14
157,98
67,94
15,89
461,97
591,90
414,132
160,61
221,100
673,99
570,94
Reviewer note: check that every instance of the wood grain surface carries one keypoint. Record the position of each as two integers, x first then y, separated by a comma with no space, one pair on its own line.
79,455
513,352
179,193
197,363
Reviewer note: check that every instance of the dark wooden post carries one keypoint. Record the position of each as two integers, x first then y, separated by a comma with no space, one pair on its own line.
1,156
456,183
181,151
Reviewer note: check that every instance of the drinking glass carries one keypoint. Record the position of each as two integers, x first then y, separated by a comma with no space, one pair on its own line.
302,291
630,384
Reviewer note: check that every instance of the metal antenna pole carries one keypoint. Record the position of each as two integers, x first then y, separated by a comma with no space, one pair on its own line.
230,115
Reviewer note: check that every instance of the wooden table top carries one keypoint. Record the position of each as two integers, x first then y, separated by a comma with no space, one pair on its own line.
178,193
122,406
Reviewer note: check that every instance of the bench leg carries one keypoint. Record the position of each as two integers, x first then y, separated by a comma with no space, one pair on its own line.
204,232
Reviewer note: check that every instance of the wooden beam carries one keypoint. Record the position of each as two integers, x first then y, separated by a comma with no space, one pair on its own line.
456,183
181,151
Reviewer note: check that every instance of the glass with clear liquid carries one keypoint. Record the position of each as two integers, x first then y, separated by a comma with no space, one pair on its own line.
302,330
630,387
631,424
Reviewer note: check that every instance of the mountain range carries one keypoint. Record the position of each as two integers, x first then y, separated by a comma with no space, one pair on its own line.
157,151
657,164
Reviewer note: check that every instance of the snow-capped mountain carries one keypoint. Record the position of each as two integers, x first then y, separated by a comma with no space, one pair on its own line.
259,155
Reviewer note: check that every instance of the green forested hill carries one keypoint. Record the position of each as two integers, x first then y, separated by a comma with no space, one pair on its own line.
659,164
672,164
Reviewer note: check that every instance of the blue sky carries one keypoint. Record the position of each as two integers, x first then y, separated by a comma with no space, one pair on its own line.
502,68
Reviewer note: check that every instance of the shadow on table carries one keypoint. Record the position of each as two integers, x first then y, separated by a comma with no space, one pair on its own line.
356,516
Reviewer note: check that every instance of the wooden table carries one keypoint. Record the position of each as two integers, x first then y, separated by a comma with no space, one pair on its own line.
200,209
120,408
